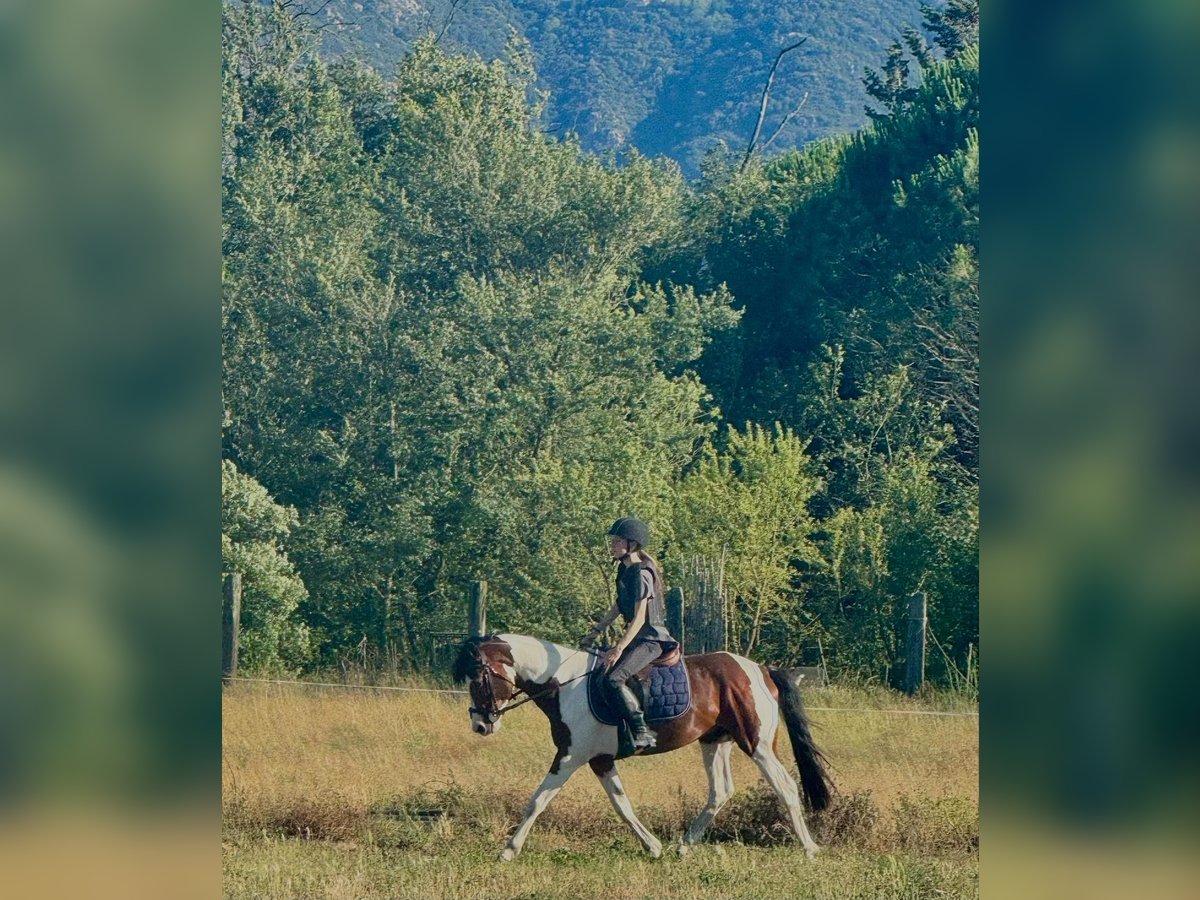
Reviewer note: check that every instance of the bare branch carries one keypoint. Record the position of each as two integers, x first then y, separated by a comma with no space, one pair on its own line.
762,107
288,4
786,119
454,6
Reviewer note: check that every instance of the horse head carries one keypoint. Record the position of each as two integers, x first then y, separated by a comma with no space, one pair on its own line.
487,663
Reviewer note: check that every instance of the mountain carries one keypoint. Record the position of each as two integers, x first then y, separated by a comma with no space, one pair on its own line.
672,77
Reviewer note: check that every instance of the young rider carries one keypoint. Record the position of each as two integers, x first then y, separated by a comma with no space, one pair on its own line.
640,603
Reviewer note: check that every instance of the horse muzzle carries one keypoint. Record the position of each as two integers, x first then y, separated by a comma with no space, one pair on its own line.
484,728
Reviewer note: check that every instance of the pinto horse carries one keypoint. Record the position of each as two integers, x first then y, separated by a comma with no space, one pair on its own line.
734,702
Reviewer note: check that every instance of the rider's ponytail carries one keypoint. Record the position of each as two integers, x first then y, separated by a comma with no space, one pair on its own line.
657,570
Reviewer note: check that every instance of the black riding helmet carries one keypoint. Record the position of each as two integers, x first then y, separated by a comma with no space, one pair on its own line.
631,529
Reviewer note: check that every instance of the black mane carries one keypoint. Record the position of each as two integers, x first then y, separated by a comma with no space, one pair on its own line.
468,661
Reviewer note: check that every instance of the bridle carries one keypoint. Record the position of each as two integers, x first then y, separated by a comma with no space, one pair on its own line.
488,710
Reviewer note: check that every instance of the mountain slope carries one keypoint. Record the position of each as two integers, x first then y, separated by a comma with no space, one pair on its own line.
673,77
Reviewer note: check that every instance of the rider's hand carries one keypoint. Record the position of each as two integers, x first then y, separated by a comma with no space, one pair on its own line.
611,657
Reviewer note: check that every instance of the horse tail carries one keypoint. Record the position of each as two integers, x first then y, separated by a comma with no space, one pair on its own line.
817,785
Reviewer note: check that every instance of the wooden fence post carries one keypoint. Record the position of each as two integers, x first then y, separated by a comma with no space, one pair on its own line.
914,656
477,611
675,613
231,616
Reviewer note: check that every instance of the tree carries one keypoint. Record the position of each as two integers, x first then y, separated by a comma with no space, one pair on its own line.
895,520
459,348
254,532
855,264
437,346
955,27
889,86
748,503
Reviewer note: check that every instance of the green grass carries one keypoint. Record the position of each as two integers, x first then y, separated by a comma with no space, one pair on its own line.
462,867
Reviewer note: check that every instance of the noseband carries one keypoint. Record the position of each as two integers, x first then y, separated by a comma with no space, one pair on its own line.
488,710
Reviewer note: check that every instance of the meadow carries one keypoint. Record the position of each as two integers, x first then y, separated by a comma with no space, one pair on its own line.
347,793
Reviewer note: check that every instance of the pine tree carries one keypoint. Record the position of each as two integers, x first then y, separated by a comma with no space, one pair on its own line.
889,86
955,27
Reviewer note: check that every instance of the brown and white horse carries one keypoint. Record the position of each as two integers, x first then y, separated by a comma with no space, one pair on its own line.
734,702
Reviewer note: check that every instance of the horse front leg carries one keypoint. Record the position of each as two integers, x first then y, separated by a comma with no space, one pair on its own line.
606,770
562,769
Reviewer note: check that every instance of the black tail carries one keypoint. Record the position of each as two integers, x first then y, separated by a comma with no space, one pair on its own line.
818,787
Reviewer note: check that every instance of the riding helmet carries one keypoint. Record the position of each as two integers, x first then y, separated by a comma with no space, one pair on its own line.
632,530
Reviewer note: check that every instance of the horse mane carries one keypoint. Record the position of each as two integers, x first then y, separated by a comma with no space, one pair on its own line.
470,656
466,664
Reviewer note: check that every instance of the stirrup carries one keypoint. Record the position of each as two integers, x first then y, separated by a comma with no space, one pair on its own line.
643,738
645,741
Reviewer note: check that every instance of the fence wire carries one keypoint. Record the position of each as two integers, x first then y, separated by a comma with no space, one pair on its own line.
385,687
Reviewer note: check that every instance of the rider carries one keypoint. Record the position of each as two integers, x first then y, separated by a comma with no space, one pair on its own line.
640,603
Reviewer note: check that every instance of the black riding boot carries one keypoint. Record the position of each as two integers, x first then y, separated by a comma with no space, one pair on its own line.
643,737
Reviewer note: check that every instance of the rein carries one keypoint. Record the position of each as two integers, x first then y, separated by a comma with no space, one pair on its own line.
494,714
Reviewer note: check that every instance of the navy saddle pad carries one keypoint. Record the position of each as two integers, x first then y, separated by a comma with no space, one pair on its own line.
667,696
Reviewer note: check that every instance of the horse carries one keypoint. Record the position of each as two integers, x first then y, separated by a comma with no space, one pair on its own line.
734,702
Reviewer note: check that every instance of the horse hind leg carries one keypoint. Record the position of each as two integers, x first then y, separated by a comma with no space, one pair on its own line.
720,789
785,786
606,771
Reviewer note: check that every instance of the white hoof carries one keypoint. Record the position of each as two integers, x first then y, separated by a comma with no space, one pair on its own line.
811,852
508,854
683,849
655,850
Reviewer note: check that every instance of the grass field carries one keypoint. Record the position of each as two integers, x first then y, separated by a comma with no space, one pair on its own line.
336,793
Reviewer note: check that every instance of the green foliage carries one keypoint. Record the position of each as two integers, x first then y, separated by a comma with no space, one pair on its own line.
254,532
889,86
437,347
457,348
749,502
895,520
913,536
855,265
868,242
955,27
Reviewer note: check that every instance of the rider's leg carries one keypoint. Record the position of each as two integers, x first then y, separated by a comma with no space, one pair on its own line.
631,662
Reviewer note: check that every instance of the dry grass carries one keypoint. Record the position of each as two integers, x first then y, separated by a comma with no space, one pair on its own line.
282,742
321,783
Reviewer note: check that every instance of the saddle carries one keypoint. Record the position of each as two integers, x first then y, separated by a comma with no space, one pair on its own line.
663,686
670,658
